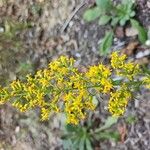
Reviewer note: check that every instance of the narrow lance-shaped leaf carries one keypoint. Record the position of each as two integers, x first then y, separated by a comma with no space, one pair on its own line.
109,122
106,43
142,33
88,144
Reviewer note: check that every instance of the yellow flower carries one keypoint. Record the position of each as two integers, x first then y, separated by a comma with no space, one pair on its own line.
93,70
130,70
107,85
100,74
72,119
16,85
119,100
67,97
44,82
30,88
4,95
37,75
105,71
54,65
45,113
146,82
21,107
117,61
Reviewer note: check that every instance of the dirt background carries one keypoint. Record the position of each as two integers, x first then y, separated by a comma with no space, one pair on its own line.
41,40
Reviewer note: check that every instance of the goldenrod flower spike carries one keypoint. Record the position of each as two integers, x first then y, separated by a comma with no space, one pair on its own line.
119,100
63,88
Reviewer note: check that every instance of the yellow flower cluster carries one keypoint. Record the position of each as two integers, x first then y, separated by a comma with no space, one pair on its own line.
4,95
117,62
119,100
63,88
146,82
100,75
125,69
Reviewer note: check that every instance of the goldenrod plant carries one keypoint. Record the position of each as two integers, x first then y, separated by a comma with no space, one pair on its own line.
63,88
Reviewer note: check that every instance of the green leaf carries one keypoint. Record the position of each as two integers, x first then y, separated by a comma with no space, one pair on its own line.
75,143
104,4
91,14
124,11
71,128
88,144
109,122
67,144
108,135
132,14
142,33
122,22
131,119
81,143
104,19
114,21
106,43
145,69
117,82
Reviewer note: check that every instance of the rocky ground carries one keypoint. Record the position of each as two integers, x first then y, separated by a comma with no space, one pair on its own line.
39,38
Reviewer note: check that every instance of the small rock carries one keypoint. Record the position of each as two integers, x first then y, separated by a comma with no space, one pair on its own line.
147,43
119,32
115,39
143,54
40,1
17,129
136,103
14,140
78,55
131,32
1,29
71,24
12,76
148,4
65,37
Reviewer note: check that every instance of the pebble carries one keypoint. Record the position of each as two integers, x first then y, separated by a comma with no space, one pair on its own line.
148,4
17,129
115,39
143,54
147,43
78,55
71,24
131,32
1,29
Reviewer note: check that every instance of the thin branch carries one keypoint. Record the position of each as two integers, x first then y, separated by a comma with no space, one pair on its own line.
71,16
